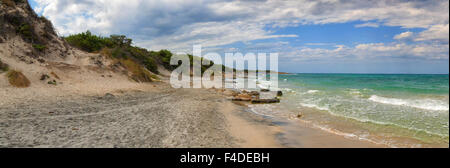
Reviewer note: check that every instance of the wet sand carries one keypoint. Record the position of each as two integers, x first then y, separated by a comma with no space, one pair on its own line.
300,135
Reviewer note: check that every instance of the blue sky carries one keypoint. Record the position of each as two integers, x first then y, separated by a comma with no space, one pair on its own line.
328,36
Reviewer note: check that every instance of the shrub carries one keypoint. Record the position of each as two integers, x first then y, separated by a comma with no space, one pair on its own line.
119,53
3,67
120,40
39,47
88,42
18,79
150,64
26,31
138,73
165,56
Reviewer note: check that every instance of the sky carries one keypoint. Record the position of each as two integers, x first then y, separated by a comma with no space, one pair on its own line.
321,36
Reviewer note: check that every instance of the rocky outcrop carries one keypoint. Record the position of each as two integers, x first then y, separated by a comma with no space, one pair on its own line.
255,97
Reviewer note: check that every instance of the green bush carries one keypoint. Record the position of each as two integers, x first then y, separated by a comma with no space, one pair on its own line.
91,43
88,42
150,64
39,47
26,31
120,47
119,53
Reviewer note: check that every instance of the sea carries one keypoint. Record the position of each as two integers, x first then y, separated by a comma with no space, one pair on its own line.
395,110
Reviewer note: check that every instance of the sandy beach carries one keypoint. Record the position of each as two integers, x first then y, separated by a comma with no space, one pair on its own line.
152,115
146,115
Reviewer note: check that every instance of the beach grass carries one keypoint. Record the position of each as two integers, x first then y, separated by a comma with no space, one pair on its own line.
18,79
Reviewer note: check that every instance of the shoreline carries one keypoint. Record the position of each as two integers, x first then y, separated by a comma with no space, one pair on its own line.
250,130
147,115
297,133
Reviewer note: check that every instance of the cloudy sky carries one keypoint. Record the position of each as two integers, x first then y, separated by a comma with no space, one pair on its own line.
310,36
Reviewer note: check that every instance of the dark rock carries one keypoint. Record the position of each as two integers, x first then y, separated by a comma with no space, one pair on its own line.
265,90
279,93
254,93
241,99
98,63
265,101
44,77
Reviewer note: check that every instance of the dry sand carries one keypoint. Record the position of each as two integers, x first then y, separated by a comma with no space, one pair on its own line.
149,115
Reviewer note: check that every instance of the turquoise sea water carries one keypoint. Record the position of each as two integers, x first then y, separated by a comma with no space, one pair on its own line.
394,110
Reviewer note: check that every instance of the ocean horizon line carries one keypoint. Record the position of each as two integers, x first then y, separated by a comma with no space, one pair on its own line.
353,73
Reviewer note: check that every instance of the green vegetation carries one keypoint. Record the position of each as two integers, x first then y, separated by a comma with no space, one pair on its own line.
120,48
25,31
18,79
53,82
3,67
117,47
138,73
165,56
150,65
39,47
88,42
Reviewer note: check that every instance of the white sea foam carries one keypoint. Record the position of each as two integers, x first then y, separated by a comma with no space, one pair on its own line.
312,91
427,104
264,84
314,106
354,92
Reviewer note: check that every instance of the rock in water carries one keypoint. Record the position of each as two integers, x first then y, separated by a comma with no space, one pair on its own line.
279,93
265,101
254,93
242,97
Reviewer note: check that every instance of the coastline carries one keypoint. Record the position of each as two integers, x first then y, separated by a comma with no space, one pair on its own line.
146,115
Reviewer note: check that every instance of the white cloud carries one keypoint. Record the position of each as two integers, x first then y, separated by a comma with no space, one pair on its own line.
369,51
404,35
178,24
368,24
435,32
